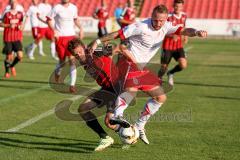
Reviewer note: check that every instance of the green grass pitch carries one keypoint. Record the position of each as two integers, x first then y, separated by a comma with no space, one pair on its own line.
200,120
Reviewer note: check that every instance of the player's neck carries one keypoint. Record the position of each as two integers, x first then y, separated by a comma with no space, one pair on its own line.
65,4
13,11
178,14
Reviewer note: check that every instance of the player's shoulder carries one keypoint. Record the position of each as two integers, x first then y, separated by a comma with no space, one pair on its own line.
72,5
183,14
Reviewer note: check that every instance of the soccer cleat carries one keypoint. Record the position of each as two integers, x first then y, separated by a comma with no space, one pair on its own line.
143,137
55,58
57,78
104,143
72,89
42,54
31,57
7,75
170,79
13,71
121,121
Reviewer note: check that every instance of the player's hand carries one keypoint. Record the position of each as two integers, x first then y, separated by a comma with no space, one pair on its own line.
185,39
91,47
175,37
81,35
56,35
201,33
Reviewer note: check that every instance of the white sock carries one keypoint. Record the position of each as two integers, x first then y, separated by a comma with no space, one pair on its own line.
122,102
33,47
53,49
58,69
151,107
40,47
73,75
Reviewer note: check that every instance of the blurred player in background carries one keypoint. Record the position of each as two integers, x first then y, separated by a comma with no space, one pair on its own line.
102,15
145,38
65,16
12,37
128,15
173,44
32,15
44,9
118,12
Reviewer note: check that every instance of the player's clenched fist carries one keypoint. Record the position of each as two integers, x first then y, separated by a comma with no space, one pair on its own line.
201,33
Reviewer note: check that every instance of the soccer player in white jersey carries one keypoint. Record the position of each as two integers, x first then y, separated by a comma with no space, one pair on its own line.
65,16
44,9
32,15
145,39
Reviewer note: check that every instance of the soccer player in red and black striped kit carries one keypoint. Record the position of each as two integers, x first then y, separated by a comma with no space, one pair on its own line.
128,15
12,37
102,15
173,44
102,68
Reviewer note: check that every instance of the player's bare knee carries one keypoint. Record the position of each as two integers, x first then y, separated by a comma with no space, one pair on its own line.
161,99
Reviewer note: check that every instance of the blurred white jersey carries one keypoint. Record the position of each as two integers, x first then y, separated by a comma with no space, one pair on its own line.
18,8
32,13
64,19
144,40
44,10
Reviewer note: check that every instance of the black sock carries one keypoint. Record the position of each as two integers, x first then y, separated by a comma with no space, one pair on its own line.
96,127
161,72
177,68
15,61
7,66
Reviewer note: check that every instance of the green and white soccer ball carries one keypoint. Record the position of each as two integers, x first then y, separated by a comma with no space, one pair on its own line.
129,135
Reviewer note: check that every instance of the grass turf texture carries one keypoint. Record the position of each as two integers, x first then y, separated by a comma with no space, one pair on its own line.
200,119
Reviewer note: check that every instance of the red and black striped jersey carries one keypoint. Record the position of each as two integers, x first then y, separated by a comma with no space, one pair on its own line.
169,43
103,70
12,33
128,14
102,15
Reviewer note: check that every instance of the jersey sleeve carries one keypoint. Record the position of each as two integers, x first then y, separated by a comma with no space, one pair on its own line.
75,15
130,30
52,14
28,12
123,13
174,29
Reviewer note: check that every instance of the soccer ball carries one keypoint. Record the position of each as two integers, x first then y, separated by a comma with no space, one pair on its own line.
129,135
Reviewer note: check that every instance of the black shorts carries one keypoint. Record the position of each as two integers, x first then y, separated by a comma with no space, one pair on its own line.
102,32
104,97
167,55
10,47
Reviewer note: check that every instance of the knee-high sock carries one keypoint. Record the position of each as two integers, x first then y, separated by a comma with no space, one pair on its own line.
73,75
97,128
58,68
150,109
40,47
15,61
33,46
7,66
53,49
177,68
122,103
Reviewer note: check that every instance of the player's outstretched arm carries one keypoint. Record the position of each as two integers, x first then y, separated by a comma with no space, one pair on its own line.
94,44
191,32
78,24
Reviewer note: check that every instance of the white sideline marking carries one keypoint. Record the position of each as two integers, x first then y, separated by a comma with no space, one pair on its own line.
39,117
4,100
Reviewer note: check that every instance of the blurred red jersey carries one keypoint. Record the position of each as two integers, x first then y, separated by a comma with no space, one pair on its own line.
169,43
13,33
102,15
129,15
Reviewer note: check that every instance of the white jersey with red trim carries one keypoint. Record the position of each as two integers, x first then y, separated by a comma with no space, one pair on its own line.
32,14
64,19
145,40
44,10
